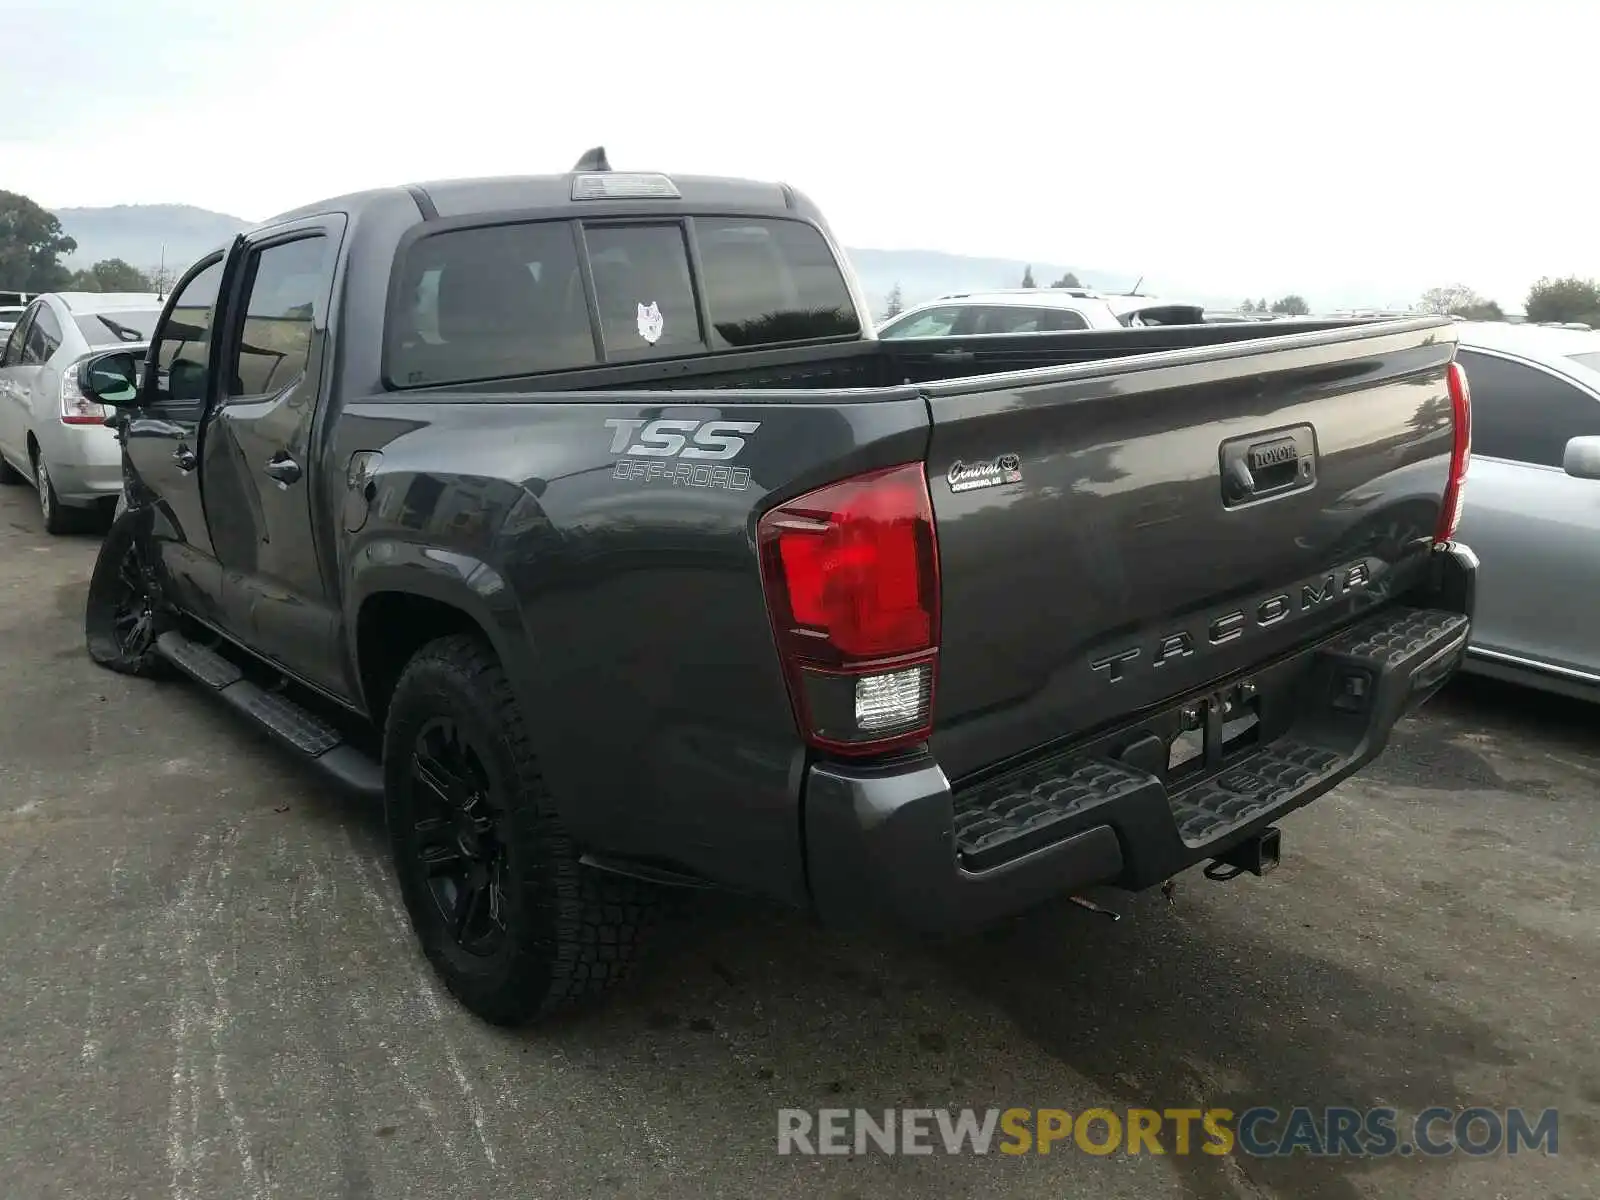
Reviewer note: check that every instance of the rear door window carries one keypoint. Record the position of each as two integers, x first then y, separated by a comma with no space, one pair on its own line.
1525,414
1022,319
44,336
287,286
935,322
1058,320
16,342
997,318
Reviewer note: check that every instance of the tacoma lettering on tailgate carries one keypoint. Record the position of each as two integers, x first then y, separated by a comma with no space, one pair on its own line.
1207,633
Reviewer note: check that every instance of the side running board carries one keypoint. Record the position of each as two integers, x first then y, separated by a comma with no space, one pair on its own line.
321,745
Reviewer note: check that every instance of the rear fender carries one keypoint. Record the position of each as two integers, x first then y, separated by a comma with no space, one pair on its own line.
462,582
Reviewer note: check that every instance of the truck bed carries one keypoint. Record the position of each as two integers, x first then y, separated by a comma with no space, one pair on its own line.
876,364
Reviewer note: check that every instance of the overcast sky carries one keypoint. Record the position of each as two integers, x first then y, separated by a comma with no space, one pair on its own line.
1241,148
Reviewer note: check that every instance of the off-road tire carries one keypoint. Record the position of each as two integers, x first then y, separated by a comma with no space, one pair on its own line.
570,932
122,585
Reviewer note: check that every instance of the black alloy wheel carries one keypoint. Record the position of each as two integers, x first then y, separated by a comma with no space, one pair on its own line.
516,924
133,611
458,837
123,614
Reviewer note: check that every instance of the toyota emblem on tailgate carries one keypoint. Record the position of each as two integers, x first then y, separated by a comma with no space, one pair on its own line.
1273,454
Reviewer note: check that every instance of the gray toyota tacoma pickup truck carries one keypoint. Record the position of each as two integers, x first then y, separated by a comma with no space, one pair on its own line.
582,520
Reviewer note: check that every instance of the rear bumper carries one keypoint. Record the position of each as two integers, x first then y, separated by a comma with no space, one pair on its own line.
85,461
899,845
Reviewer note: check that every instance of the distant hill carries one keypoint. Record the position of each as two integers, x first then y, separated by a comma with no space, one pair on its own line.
137,234
140,234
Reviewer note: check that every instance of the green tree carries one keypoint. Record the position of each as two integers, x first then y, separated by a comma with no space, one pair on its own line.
1069,280
111,275
1565,299
1261,305
1484,310
1248,306
1027,277
1459,300
1291,306
31,245
895,304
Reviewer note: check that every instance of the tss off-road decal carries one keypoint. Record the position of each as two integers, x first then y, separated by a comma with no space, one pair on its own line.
648,443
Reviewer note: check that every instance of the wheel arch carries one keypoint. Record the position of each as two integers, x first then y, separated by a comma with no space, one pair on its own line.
396,609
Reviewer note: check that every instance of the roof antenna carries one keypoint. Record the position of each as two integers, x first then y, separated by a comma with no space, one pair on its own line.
594,160
1134,290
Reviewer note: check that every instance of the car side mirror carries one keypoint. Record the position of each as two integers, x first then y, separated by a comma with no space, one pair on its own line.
111,379
1582,457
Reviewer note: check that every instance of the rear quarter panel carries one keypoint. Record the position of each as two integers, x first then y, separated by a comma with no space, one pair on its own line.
624,599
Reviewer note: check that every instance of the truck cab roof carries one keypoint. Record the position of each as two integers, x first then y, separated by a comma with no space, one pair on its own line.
589,184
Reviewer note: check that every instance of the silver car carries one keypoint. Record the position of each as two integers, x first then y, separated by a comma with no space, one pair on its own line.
1034,310
1532,507
50,435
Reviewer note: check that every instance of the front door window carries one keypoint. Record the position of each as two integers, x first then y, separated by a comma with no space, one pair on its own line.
181,353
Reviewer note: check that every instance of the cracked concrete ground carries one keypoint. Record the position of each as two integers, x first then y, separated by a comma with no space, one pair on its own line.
210,990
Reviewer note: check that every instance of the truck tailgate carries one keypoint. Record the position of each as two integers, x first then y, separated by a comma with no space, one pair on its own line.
1115,535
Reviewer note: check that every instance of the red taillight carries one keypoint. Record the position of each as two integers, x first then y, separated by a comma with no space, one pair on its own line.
852,579
1460,453
76,408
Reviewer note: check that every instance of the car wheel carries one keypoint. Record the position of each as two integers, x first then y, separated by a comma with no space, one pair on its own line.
123,616
58,518
515,925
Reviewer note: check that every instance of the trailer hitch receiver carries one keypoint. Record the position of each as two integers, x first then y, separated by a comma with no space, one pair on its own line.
1257,854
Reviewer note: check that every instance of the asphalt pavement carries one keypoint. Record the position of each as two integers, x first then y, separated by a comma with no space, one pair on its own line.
210,991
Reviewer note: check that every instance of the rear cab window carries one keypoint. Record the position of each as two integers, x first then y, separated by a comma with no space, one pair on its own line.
644,290
771,281
506,300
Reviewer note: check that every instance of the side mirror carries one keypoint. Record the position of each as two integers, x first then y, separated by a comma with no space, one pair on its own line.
111,379
1582,458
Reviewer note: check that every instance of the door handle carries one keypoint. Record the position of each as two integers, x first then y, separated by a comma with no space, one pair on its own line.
283,468
184,457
